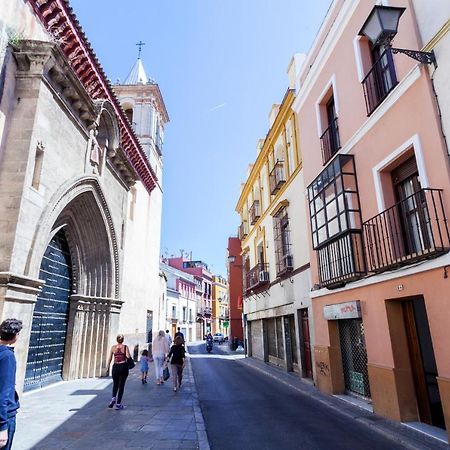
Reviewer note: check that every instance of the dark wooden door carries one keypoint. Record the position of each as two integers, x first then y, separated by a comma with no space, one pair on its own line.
423,363
306,343
50,316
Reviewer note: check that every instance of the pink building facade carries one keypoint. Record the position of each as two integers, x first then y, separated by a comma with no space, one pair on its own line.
377,174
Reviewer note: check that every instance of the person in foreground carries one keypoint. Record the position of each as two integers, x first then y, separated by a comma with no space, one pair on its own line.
160,348
9,400
120,353
176,358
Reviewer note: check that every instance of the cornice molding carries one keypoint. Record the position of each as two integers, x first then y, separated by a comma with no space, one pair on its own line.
60,21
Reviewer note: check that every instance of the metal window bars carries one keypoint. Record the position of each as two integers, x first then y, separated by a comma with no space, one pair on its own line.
330,142
380,80
276,177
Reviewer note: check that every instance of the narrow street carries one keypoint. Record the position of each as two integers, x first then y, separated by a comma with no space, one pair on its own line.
243,408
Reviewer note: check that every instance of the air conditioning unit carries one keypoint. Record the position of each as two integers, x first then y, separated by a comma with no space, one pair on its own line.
289,262
264,276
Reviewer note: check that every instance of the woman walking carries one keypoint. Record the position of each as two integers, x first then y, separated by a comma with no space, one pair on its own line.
160,348
176,357
120,353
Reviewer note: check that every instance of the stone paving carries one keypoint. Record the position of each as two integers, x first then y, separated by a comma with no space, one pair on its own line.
73,415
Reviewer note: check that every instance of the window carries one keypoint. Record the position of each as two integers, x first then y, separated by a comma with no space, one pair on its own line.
184,313
336,222
327,122
174,312
381,77
291,147
283,254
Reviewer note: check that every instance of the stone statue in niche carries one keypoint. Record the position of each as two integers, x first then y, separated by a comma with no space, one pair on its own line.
96,151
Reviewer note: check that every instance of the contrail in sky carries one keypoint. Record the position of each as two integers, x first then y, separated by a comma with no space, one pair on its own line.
217,107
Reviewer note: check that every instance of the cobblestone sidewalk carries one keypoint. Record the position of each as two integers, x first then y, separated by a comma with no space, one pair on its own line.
73,415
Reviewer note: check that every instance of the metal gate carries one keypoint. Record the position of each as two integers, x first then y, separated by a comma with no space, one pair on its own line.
49,327
354,356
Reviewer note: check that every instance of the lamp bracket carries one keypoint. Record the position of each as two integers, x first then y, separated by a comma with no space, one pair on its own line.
422,57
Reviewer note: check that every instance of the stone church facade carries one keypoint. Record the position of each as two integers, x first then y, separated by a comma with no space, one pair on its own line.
69,160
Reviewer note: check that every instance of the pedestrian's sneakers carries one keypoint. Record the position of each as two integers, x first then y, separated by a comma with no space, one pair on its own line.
119,406
112,402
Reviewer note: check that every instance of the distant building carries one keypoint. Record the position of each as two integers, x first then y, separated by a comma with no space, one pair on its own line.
235,286
220,311
203,279
180,302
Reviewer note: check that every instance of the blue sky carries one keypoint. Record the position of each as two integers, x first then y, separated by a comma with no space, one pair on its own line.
220,65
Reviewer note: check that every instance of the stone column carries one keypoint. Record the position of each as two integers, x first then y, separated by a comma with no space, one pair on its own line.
92,328
18,295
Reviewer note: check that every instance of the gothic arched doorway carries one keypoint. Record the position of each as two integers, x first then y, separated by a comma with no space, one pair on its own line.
50,317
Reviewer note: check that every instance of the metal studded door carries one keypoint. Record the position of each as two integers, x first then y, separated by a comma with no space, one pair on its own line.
49,327
354,356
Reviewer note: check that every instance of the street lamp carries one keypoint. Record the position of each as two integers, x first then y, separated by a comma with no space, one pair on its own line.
381,27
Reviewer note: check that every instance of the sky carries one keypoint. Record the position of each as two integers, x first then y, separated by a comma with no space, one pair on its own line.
220,65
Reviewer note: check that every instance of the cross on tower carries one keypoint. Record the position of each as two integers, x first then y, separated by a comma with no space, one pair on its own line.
140,44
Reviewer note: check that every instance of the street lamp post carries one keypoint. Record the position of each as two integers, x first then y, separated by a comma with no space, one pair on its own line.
381,27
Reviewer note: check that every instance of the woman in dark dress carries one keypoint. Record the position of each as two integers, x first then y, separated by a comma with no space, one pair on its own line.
176,358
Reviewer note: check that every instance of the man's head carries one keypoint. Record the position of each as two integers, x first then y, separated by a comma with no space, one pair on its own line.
9,330
178,328
167,331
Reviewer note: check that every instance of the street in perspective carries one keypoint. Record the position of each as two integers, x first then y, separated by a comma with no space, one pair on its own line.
224,225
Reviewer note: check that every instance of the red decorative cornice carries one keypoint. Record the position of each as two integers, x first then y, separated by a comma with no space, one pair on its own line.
60,21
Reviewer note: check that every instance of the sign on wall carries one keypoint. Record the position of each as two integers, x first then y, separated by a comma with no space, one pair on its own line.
347,310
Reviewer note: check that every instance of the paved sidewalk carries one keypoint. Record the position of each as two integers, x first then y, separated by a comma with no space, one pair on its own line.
73,415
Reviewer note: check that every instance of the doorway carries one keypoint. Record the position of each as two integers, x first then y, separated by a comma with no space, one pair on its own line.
50,316
306,344
423,362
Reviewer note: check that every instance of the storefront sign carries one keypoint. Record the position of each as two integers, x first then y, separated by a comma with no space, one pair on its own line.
348,310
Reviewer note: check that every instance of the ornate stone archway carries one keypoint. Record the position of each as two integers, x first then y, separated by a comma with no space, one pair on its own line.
82,213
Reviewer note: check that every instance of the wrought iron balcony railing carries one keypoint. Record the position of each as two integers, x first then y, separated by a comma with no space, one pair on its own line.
284,265
277,177
254,212
380,80
243,230
341,260
414,229
330,141
257,276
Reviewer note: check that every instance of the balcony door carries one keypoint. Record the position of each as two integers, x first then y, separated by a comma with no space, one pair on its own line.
414,218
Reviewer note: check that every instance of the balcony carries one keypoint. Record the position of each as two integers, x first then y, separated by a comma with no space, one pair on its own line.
341,260
330,141
276,177
412,230
257,276
243,230
380,80
284,265
254,212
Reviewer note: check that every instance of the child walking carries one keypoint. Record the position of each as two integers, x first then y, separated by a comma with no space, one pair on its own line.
144,366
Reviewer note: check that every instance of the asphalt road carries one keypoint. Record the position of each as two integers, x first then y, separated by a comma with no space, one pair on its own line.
245,409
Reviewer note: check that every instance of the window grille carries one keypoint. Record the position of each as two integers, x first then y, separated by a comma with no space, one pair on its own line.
283,254
354,356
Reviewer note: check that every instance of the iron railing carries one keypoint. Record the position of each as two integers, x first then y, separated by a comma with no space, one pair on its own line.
276,177
414,229
254,212
243,230
330,141
257,276
284,264
341,260
380,80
